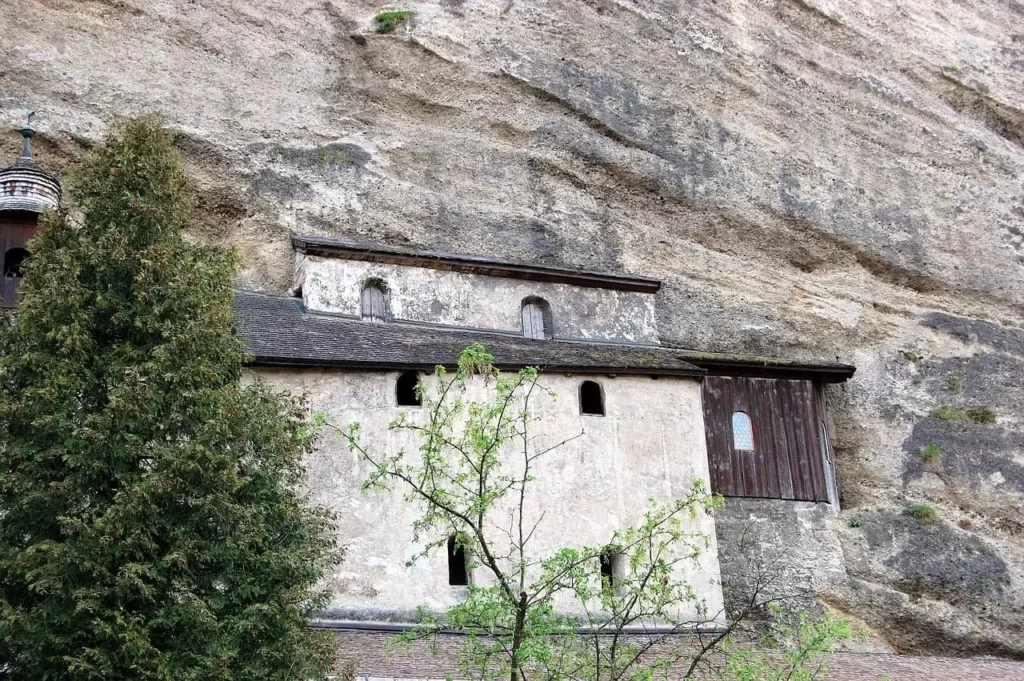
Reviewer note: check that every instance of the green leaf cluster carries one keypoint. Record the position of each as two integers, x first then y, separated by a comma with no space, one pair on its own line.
923,512
389,21
153,524
793,652
931,452
972,414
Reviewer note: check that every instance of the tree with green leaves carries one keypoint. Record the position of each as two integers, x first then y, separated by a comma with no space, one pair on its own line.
563,617
152,520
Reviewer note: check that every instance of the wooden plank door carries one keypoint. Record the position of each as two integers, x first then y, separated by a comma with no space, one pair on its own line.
533,321
786,461
373,305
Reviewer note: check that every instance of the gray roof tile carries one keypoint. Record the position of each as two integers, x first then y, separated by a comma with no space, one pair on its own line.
279,331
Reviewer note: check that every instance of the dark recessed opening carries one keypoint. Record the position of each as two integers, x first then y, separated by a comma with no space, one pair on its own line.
591,398
458,573
607,570
405,388
14,262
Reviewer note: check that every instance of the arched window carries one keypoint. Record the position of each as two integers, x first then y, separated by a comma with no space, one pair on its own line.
742,432
405,389
537,321
591,398
458,570
373,303
14,262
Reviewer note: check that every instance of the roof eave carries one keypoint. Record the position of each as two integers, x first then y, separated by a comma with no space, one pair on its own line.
766,368
350,250
300,362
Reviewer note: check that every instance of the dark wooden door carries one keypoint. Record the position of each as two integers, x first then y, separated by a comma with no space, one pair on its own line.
786,461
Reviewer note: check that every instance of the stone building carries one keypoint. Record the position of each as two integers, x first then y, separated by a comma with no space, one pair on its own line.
364,323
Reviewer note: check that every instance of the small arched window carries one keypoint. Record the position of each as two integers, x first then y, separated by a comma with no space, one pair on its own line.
14,262
373,303
742,432
537,321
458,569
591,398
405,389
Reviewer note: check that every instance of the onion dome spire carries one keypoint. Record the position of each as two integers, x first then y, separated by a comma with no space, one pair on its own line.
27,133
24,186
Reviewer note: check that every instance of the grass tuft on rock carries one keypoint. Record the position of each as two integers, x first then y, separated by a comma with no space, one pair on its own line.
955,382
923,512
930,452
389,21
981,415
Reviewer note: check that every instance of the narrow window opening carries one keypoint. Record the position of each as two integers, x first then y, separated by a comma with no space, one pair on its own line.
407,393
613,570
14,262
607,570
373,303
458,572
591,398
742,432
537,320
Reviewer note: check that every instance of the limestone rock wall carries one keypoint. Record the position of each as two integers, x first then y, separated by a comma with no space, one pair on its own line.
813,178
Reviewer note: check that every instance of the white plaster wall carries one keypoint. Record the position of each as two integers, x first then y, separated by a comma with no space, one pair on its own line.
454,298
650,444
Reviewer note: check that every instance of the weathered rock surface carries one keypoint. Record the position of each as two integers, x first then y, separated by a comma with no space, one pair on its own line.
810,178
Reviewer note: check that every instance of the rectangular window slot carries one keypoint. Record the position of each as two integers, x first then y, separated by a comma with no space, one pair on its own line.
458,571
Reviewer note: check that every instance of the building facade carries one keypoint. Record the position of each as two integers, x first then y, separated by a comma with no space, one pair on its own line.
364,323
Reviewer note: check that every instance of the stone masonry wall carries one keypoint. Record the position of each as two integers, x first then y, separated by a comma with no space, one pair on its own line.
421,294
650,444
791,540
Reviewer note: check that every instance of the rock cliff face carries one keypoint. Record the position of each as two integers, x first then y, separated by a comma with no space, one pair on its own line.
810,178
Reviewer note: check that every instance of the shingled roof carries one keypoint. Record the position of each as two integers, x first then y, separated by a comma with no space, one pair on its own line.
279,331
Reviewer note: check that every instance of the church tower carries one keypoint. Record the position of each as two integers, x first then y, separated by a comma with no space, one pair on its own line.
26,191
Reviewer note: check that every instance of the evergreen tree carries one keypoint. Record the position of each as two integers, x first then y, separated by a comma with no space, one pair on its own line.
152,523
